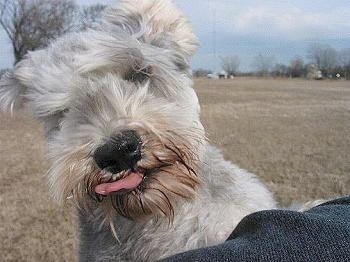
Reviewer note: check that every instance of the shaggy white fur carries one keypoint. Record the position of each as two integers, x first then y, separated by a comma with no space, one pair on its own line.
131,75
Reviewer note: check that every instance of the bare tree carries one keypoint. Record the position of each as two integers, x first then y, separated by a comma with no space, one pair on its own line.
263,64
324,56
344,62
32,24
280,70
3,71
297,67
230,64
89,15
200,72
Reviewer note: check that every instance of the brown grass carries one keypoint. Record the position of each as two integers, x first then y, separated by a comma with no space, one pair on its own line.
293,134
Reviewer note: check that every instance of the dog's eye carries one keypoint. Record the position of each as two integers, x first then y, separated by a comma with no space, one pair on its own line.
66,110
138,75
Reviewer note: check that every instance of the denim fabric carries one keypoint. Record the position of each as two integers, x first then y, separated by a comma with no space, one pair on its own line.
320,234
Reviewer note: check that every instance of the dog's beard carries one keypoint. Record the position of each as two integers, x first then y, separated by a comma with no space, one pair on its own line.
168,166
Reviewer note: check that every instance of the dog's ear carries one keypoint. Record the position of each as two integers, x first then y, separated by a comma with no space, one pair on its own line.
40,85
156,22
37,83
11,92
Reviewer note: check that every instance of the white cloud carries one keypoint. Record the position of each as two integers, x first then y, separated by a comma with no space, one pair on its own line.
90,2
282,20
293,20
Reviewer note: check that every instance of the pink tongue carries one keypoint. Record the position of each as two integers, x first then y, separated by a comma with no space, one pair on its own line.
129,182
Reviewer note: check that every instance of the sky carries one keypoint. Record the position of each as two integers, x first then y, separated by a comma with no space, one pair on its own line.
282,29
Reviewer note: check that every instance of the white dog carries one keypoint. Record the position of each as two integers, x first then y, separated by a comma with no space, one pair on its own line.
125,137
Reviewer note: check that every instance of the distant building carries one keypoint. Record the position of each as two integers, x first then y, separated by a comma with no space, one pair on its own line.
222,75
219,75
313,72
212,76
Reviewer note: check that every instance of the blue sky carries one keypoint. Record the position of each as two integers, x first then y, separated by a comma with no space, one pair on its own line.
282,28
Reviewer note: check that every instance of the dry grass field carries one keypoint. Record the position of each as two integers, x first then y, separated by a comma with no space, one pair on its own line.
293,134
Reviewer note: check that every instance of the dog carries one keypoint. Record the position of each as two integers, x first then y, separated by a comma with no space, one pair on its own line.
125,140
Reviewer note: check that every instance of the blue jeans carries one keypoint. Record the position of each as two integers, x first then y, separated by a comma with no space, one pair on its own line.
320,234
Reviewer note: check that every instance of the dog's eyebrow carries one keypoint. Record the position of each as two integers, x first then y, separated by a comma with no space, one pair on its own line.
138,75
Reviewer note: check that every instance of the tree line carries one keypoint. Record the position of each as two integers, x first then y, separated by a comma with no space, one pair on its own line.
322,61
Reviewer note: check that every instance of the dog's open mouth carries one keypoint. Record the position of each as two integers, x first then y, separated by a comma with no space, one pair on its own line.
127,182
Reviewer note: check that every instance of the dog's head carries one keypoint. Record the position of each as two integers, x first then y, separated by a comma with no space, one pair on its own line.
119,111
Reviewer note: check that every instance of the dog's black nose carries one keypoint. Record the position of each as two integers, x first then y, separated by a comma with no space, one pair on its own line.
120,153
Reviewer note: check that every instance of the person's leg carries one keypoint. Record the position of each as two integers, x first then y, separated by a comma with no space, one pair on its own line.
319,234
